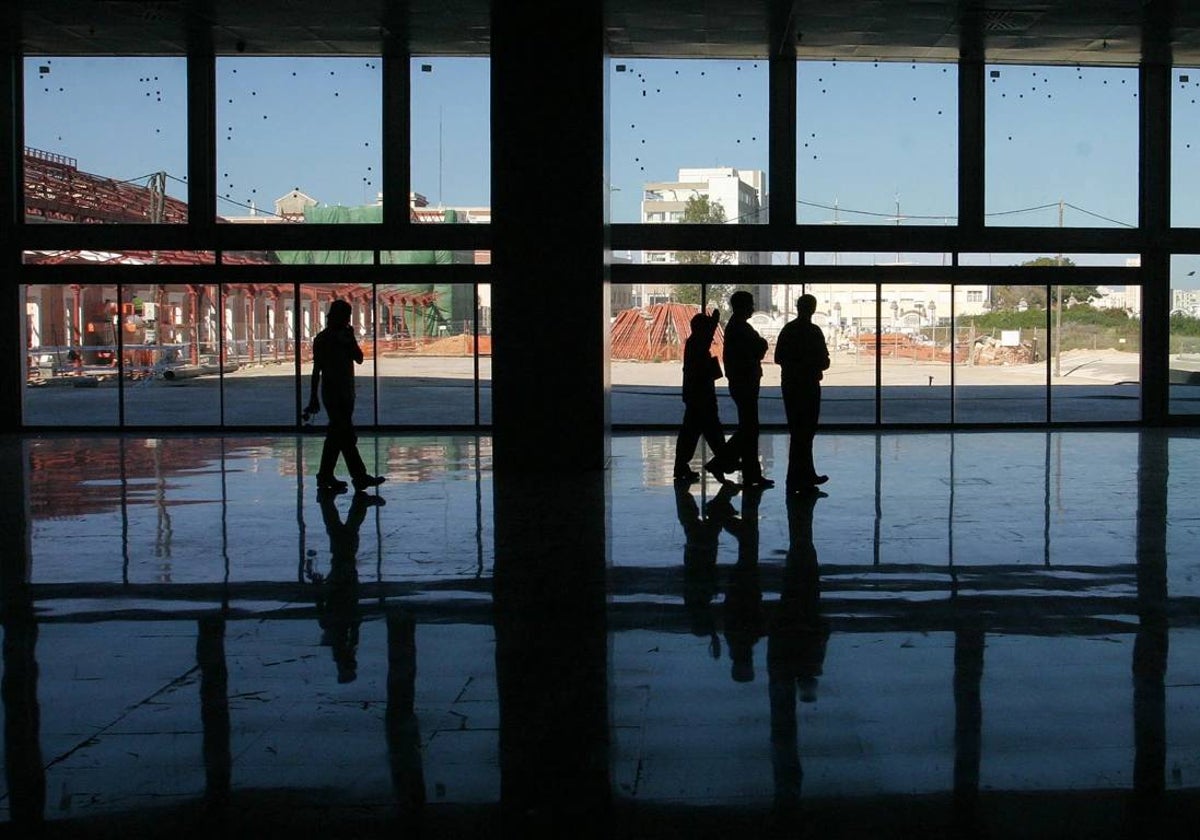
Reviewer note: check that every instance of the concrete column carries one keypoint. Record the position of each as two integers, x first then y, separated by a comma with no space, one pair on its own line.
550,293
552,655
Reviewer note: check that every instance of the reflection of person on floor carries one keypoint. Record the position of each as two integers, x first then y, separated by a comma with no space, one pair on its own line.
335,353
337,594
796,641
701,370
744,620
701,534
802,357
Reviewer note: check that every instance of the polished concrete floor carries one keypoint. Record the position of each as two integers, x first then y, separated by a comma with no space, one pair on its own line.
968,634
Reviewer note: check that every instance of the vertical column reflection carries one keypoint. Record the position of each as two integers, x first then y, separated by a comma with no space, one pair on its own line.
552,653
214,713
24,769
403,732
1150,645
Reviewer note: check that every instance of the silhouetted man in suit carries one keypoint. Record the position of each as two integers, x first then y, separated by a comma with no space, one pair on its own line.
335,353
701,370
744,352
802,357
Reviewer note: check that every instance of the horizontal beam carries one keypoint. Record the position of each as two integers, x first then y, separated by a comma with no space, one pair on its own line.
254,237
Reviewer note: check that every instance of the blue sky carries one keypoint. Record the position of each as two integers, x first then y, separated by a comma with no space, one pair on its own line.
869,134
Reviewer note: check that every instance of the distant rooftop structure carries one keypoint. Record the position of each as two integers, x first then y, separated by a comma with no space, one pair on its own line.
292,205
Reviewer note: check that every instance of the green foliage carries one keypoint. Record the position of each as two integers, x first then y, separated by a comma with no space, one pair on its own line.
1004,319
1009,297
1185,325
701,210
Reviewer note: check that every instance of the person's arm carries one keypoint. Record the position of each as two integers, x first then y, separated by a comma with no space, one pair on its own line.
356,352
314,403
824,350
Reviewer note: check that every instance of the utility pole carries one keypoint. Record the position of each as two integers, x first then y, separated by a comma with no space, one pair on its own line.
1058,307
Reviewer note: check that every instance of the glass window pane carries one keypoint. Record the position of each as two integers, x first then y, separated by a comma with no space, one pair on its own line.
1184,360
315,299
106,139
260,354
299,138
172,354
451,160
70,356
877,142
650,323
1000,356
846,314
1061,146
427,349
1095,361
916,352
1185,147
721,157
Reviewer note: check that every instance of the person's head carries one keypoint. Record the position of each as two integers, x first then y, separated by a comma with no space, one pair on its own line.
702,325
806,305
338,314
742,303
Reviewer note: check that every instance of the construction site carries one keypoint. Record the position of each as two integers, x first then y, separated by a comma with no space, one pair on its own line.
85,334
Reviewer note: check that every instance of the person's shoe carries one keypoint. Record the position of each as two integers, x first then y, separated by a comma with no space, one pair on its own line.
819,479
762,483
324,493
363,482
328,482
686,475
714,469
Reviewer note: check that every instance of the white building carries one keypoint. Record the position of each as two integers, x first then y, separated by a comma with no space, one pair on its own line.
741,194
1186,301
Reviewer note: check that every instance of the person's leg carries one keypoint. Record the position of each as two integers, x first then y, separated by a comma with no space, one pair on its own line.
685,443
796,475
341,431
747,406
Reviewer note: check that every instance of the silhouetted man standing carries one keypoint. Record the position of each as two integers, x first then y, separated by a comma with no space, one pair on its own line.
335,353
744,352
802,355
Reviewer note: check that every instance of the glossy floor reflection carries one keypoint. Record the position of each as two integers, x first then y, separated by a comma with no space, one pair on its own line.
971,634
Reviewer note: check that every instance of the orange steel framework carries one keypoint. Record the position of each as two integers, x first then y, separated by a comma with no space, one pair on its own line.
656,333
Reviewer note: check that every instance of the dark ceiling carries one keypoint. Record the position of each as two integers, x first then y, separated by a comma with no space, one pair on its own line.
1051,31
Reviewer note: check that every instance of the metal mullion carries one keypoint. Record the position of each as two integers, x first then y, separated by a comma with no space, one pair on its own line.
879,354
1051,348
475,347
396,163
120,338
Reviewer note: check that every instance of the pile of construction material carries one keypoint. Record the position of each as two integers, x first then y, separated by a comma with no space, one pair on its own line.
990,351
656,333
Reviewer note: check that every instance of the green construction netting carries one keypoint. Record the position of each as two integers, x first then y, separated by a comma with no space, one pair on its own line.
423,322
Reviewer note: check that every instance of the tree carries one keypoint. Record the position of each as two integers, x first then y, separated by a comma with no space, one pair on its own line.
1008,297
701,210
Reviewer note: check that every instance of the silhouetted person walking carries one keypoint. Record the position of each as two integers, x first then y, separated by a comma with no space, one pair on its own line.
701,370
802,356
796,642
743,355
335,353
